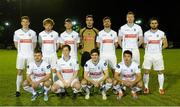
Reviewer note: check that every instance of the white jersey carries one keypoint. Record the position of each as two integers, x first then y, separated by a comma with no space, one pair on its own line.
38,72
95,71
71,39
128,72
67,68
130,36
25,40
49,42
153,41
107,41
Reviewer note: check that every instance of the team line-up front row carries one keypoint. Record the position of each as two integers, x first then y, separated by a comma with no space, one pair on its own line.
96,74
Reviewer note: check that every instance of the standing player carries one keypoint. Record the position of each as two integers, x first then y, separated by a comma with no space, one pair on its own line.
107,40
96,74
127,74
154,41
48,40
67,70
38,75
71,38
88,38
131,37
25,41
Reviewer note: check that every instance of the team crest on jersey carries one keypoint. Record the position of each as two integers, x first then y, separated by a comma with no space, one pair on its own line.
29,34
98,68
85,65
42,69
131,70
70,64
118,66
49,66
105,64
72,36
51,36
134,29
111,35
157,35
138,66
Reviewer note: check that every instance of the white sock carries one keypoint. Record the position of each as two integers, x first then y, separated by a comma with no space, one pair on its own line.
18,82
46,89
135,89
85,88
161,80
108,86
28,89
33,91
75,90
146,80
54,76
118,88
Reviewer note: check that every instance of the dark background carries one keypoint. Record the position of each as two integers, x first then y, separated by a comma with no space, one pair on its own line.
168,12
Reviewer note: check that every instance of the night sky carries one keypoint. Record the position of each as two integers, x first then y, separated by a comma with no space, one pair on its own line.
166,11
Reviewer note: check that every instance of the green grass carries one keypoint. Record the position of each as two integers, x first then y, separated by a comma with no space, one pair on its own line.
171,97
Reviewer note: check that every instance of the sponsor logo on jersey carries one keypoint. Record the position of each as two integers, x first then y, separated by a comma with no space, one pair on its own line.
154,42
48,41
107,41
130,35
69,42
67,70
25,41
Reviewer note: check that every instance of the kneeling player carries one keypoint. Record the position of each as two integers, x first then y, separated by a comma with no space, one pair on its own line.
67,70
127,74
96,74
38,76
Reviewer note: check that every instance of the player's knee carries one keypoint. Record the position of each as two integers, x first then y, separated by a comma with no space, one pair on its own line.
140,84
54,88
20,72
47,83
146,71
77,85
115,82
109,80
160,72
83,82
53,70
25,83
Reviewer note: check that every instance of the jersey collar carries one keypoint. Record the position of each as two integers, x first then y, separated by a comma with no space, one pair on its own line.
65,59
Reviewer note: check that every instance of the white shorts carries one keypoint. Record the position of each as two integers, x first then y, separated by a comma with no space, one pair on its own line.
135,55
52,59
153,59
110,59
21,61
61,84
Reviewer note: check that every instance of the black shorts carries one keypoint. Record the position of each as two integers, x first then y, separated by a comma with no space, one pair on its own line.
85,57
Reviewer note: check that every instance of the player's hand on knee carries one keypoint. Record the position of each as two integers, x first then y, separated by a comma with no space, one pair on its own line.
34,85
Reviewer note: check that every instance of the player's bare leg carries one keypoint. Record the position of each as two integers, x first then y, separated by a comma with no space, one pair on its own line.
27,87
